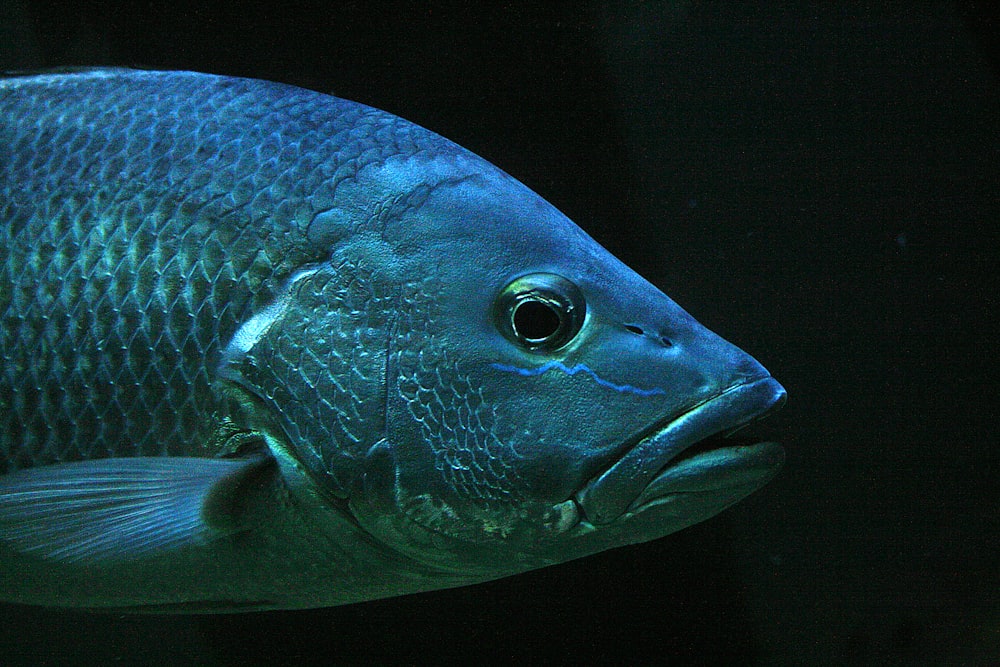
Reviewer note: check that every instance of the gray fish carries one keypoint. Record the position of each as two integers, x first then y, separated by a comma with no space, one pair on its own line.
263,348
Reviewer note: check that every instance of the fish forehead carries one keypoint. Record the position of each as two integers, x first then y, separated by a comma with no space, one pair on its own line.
488,229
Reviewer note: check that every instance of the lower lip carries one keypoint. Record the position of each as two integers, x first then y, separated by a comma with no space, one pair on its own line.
609,495
747,466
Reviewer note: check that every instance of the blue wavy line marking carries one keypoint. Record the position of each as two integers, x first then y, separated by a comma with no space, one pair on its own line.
579,368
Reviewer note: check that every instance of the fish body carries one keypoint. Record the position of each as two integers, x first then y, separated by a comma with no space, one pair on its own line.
265,348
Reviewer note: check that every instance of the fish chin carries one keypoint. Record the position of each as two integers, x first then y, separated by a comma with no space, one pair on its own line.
690,462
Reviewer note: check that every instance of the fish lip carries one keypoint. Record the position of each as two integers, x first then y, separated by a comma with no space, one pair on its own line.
624,485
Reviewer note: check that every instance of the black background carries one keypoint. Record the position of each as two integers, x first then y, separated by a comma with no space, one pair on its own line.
817,182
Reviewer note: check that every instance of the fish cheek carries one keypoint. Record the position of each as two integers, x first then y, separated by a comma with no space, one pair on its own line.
461,475
413,511
552,472
450,466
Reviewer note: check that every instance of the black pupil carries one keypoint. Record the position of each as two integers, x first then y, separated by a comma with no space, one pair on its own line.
535,320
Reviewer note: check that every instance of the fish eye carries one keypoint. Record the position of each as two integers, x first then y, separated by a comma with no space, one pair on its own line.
540,311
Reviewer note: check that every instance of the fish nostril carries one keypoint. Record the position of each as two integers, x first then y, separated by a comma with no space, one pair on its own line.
638,331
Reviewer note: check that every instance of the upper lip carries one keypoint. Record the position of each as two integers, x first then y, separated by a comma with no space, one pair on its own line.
609,494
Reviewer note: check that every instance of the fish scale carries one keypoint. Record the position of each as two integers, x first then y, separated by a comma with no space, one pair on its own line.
331,396
155,247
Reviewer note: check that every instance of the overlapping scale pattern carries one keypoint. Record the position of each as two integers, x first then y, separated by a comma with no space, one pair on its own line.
321,366
456,421
143,217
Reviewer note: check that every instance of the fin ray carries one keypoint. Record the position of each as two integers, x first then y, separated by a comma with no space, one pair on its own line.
110,510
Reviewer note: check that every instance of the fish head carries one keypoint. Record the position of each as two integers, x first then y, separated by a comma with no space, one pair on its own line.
544,401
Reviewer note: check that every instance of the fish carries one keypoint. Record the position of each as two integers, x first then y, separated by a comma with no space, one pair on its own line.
264,348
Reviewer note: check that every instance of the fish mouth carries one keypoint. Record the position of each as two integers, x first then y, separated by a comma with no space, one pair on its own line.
694,454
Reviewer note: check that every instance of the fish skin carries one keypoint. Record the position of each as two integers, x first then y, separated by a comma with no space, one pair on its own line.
206,268
122,252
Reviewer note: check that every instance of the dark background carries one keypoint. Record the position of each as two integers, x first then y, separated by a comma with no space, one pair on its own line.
818,182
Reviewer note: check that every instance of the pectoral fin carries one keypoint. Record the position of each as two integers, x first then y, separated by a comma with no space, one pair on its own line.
112,510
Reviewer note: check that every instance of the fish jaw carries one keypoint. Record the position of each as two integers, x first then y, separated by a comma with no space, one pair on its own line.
652,474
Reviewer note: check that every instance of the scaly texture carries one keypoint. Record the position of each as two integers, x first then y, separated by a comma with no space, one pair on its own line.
143,217
457,422
320,365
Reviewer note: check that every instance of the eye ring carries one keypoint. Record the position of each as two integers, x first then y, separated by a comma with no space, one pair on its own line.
540,312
